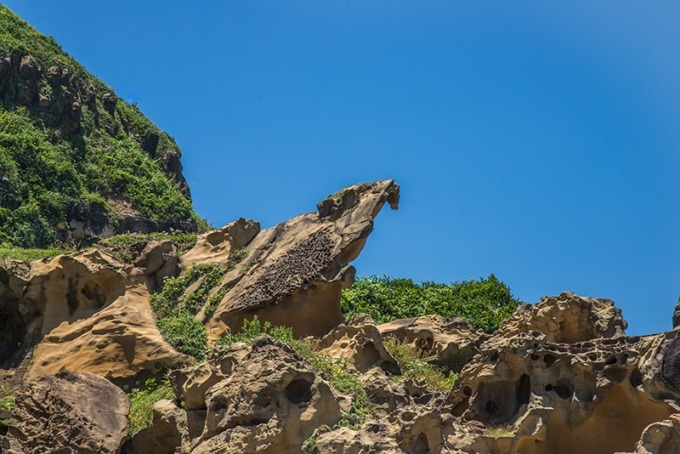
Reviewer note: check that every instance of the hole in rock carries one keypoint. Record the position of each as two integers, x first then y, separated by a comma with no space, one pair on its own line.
616,374
549,359
219,404
498,402
299,391
420,446
611,360
534,357
494,357
12,329
564,389
636,378
614,425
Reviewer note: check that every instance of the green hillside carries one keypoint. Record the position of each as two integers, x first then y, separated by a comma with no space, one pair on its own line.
76,162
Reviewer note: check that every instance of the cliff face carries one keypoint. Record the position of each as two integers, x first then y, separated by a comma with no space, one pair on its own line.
77,162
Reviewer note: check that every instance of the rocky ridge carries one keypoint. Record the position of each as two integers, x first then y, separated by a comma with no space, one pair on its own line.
559,376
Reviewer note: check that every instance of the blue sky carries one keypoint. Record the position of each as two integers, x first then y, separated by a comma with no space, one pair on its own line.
535,140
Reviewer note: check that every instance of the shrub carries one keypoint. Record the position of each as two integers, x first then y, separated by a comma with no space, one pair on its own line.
484,302
16,253
141,403
186,334
175,311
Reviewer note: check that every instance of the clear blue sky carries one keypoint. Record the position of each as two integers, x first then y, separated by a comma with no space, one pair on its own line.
535,140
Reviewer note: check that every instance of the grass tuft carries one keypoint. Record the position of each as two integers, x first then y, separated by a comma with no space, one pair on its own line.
415,367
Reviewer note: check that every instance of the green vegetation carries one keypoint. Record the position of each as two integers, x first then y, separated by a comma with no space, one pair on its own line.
485,302
415,367
47,169
141,403
507,430
176,311
341,377
28,255
126,247
6,404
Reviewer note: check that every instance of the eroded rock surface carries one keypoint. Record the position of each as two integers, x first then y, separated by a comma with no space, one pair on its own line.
293,274
261,398
448,342
69,412
86,312
567,318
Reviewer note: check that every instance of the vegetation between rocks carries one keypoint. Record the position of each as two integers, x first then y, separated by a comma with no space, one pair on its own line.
485,303
176,311
335,371
414,366
142,401
7,251
6,405
126,247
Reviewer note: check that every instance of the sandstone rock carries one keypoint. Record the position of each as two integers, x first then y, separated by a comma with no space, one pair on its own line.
588,397
166,434
661,437
69,412
272,402
87,312
567,318
372,439
447,342
360,345
159,261
294,272
219,246
676,315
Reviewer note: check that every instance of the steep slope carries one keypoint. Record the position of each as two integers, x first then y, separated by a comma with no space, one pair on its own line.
76,162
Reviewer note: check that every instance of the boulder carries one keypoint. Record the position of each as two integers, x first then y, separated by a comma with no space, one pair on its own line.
255,398
166,433
359,344
661,437
69,412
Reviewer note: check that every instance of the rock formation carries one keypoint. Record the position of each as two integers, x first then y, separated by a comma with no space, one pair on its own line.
85,312
559,376
69,412
292,274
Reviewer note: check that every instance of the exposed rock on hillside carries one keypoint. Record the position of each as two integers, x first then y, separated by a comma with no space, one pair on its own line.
69,412
567,318
560,376
268,400
86,312
293,274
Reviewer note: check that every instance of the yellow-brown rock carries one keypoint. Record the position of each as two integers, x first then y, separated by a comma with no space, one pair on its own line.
87,312
359,344
447,342
293,273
